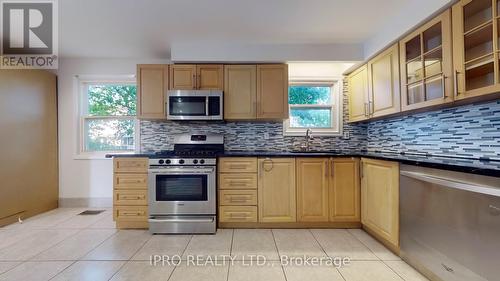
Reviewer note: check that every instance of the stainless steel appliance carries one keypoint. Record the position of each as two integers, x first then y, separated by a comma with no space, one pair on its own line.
450,223
194,105
182,186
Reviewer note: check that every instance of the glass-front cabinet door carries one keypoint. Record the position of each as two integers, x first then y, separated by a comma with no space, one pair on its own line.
426,64
476,47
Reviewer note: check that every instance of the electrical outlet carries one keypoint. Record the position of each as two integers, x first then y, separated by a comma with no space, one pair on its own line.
346,135
266,136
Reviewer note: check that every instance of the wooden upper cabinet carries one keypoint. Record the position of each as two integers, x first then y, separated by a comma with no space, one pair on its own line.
358,94
209,77
426,64
344,190
240,92
272,91
152,84
475,48
196,77
380,198
276,190
182,77
312,189
383,86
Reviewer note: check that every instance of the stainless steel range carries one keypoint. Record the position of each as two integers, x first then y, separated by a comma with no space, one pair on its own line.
182,186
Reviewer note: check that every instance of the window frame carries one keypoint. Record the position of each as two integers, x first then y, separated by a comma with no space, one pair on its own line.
82,108
336,108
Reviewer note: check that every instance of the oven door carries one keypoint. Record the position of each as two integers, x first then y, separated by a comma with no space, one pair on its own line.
182,191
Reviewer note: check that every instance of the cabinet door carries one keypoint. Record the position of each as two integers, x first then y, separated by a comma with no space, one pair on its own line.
358,94
312,189
380,198
182,76
345,198
426,64
272,91
475,48
209,76
152,84
383,78
276,190
240,92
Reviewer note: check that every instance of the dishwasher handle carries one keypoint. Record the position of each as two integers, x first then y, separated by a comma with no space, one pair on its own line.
453,183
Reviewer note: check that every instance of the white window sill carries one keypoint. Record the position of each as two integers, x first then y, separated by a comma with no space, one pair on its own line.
99,155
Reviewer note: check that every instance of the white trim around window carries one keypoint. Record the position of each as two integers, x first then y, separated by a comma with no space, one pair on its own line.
336,108
81,107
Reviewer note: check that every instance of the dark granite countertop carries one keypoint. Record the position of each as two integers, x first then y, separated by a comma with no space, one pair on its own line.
467,165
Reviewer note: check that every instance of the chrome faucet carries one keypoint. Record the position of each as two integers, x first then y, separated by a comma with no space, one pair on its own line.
308,138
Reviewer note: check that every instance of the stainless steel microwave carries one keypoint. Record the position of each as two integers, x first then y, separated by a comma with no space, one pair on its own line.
194,105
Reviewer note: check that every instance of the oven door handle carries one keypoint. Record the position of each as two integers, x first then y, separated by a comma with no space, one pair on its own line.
181,171
182,220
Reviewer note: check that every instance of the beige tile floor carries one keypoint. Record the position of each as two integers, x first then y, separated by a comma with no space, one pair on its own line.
61,245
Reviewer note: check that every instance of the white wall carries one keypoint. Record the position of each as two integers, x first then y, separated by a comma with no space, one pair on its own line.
225,52
87,179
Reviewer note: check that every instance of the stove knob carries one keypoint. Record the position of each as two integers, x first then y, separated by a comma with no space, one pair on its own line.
167,161
202,161
195,161
181,161
161,161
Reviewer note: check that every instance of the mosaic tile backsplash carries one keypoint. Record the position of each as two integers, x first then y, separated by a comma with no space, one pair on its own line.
471,131
158,135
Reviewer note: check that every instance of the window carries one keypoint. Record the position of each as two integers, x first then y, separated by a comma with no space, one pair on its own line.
107,116
315,106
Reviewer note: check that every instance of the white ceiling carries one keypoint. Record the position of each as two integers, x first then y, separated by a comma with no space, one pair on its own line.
147,28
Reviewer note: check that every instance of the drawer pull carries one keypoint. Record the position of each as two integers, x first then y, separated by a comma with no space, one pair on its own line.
125,197
238,215
236,166
235,183
238,200
132,213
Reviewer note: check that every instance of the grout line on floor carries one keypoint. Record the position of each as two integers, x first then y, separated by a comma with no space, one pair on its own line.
69,265
321,246
364,244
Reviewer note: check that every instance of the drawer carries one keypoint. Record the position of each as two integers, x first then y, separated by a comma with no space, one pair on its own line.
238,197
130,181
238,165
131,213
237,181
238,214
130,197
130,165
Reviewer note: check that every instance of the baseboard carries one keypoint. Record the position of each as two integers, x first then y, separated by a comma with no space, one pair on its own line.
86,202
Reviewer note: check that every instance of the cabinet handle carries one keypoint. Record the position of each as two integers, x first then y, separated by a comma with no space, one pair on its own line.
361,170
333,168
238,199
195,83
370,108
241,166
238,215
235,183
132,197
443,80
366,109
132,213
264,163
455,77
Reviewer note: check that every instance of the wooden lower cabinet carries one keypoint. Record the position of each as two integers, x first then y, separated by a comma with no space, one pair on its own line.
344,192
237,190
130,192
328,190
312,189
276,190
380,200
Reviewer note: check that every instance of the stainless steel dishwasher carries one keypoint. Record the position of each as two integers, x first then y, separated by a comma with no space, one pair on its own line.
450,223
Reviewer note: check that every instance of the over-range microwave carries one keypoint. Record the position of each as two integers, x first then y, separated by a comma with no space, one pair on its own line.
194,105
